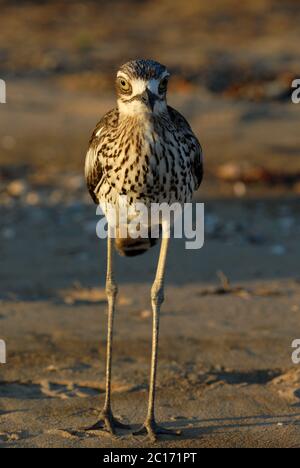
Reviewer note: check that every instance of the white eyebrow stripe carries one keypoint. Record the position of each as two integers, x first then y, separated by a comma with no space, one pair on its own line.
122,75
138,86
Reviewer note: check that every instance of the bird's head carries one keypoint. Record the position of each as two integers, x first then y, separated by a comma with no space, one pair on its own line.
142,87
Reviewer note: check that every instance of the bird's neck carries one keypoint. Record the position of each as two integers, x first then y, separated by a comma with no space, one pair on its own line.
140,113
141,116
136,121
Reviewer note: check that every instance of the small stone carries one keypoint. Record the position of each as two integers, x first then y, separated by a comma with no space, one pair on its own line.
16,188
69,300
145,314
32,198
229,172
74,182
51,368
55,197
125,301
239,189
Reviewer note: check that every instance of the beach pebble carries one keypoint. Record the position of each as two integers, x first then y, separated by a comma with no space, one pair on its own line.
55,197
51,368
145,314
240,189
32,198
229,172
177,418
69,300
125,301
74,182
16,188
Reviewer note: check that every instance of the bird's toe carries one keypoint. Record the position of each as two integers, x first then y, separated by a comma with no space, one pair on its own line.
108,423
153,430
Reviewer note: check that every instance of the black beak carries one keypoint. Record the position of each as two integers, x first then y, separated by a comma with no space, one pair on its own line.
149,99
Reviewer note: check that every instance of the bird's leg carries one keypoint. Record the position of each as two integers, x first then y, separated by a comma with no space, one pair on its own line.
150,426
107,421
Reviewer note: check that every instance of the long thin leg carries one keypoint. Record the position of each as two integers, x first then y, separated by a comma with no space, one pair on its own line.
107,421
111,291
157,297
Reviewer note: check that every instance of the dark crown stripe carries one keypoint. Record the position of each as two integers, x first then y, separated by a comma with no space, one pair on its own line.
145,69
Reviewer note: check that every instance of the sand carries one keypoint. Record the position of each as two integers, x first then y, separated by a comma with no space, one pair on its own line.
225,371
225,377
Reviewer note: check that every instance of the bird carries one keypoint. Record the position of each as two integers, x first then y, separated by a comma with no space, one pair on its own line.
144,150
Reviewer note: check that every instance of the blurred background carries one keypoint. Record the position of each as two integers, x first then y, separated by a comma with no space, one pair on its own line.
234,304
232,66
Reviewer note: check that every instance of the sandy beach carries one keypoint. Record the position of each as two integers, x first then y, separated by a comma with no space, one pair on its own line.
232,309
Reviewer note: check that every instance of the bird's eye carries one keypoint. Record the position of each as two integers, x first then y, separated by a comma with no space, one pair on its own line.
124,85
163,85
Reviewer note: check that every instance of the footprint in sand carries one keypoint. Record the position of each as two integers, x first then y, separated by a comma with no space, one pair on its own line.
61,390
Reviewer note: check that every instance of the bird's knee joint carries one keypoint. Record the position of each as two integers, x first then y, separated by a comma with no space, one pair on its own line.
157,294
111,288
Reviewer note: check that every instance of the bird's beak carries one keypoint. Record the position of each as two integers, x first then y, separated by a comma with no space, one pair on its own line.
149,99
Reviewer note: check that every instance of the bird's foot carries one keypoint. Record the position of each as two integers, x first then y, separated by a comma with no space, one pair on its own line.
153,430
108,423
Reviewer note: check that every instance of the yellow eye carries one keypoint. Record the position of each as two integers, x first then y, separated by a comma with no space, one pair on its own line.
124,85
163,85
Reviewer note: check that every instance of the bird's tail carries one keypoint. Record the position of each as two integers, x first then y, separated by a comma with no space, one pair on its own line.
130,247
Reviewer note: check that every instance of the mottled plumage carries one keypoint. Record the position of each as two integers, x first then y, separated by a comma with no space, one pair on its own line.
149,157
158,160
146,151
